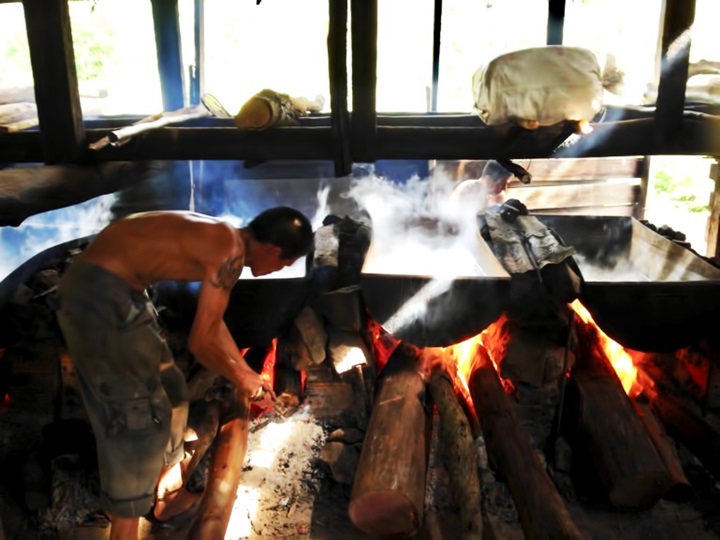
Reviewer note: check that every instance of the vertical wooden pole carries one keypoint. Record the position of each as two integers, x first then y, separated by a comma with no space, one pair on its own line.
56,86
677,20
169,52
364,26
337,65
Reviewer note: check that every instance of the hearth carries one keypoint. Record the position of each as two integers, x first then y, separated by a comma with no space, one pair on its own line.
474,418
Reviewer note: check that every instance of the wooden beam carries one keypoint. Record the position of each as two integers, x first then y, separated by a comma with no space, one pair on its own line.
55,75
364,25
225,143
677,19
169,53
437,34
556,22
698,135
25,192
337,66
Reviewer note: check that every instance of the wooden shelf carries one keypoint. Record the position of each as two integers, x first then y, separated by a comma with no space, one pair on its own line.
699,134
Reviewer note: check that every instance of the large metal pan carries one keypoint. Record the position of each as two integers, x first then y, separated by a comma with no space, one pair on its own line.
643,290
440,291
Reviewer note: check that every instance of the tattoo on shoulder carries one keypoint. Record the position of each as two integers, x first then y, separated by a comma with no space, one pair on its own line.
228,273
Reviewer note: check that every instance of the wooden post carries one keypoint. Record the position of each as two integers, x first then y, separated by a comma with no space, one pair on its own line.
713,226
169,54
542,511
223,477
556,22
55,75
677,21
389,489
337,65
437,35
612,433
364,15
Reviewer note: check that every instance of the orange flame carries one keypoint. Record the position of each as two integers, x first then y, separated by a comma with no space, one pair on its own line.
458,359
620,359
268,370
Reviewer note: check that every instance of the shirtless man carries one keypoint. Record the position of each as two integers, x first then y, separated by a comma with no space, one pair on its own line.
473,196
134,394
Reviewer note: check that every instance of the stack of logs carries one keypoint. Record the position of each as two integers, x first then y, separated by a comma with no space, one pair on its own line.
629,441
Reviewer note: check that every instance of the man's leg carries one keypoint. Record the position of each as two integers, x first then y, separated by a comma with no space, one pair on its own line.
123,528
172,497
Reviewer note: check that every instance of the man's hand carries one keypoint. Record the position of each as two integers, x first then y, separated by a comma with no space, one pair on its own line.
253,386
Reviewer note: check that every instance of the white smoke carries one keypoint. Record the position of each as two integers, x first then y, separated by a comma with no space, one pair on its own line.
43,231
418,231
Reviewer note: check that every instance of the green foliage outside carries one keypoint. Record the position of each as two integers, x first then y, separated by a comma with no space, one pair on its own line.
679,190
93,41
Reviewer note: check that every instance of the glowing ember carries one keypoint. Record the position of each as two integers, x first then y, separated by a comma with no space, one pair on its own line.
619,358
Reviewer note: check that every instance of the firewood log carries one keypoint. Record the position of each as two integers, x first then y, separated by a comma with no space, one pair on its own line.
681,418
459,457
543,514
618,444
224,474
677,487
389,488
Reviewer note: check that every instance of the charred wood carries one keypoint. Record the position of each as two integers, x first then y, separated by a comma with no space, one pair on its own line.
677,487
543,514
681,417
459,456
618,444
389,489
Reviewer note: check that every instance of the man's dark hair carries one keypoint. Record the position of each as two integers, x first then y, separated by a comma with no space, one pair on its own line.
285,228
496,172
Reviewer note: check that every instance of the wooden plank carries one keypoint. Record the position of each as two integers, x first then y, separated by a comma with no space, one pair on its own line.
677,21
556,22
337,65
568,196
364,24
169,53
621,211
56,87
559,171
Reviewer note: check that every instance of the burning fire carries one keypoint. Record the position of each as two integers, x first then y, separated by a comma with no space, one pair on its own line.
458,359
619,358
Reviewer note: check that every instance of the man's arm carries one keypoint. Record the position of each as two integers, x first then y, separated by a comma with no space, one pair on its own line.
210,340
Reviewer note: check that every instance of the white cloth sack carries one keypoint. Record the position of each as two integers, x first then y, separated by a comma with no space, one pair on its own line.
539,87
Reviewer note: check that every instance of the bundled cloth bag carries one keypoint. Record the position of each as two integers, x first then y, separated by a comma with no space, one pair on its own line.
539,87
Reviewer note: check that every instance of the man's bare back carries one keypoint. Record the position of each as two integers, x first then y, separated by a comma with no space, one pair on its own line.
182,246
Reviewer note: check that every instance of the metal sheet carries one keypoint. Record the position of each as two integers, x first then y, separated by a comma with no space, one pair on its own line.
643,290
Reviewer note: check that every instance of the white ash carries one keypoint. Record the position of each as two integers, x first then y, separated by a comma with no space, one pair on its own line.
280,478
